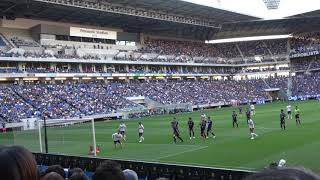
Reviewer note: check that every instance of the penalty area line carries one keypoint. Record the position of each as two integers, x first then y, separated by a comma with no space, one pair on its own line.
182,152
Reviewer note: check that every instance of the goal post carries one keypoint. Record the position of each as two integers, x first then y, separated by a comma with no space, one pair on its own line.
94,137
64,135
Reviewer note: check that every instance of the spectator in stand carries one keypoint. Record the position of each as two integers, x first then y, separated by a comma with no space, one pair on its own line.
57,169
73,99
130,174
108,170
17,163
78,176
306,85
74,170
78,99
52,176
305,42
162,50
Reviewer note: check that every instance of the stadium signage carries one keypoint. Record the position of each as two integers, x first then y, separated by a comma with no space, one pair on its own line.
311,53
93,33
106,74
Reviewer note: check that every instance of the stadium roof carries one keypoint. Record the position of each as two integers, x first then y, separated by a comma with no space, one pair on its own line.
268,27
315,13
188,9
61,13
233,24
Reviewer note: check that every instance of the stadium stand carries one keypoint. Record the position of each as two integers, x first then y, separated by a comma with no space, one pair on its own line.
126,51
66,99
13,108
74,99
154,50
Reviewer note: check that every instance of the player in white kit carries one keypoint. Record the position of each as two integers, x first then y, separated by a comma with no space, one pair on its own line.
122,129
141,131
253,109
251,128
117,139
289,111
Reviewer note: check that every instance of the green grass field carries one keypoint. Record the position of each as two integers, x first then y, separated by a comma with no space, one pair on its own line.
232,148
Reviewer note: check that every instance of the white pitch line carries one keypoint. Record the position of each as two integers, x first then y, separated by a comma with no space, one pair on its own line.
261,127
182,152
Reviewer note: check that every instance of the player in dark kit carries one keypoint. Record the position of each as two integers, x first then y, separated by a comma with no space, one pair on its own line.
240,110
282,120
203,125
235,119
248,114
176,132
191,125
209,128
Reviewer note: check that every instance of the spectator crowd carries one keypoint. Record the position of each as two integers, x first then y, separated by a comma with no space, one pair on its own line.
162,50
75,99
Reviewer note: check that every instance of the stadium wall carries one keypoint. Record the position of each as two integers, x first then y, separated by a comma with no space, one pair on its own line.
149,170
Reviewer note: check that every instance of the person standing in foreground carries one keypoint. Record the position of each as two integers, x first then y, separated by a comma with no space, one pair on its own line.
282,120
240,110
235,119
191,126
209,128
17,163
253,110
251,128
117,139
175,129
289,111
203,125
122,129
248,115
297,115
141,131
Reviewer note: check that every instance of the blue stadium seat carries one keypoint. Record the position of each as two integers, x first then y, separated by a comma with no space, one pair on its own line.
2,43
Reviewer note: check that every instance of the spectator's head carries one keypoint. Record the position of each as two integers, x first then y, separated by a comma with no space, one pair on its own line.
17,163
78,176
75,170
284,174
130,174
108,170
52,176
56,168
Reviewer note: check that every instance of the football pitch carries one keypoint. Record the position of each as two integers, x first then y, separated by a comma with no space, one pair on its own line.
232,147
